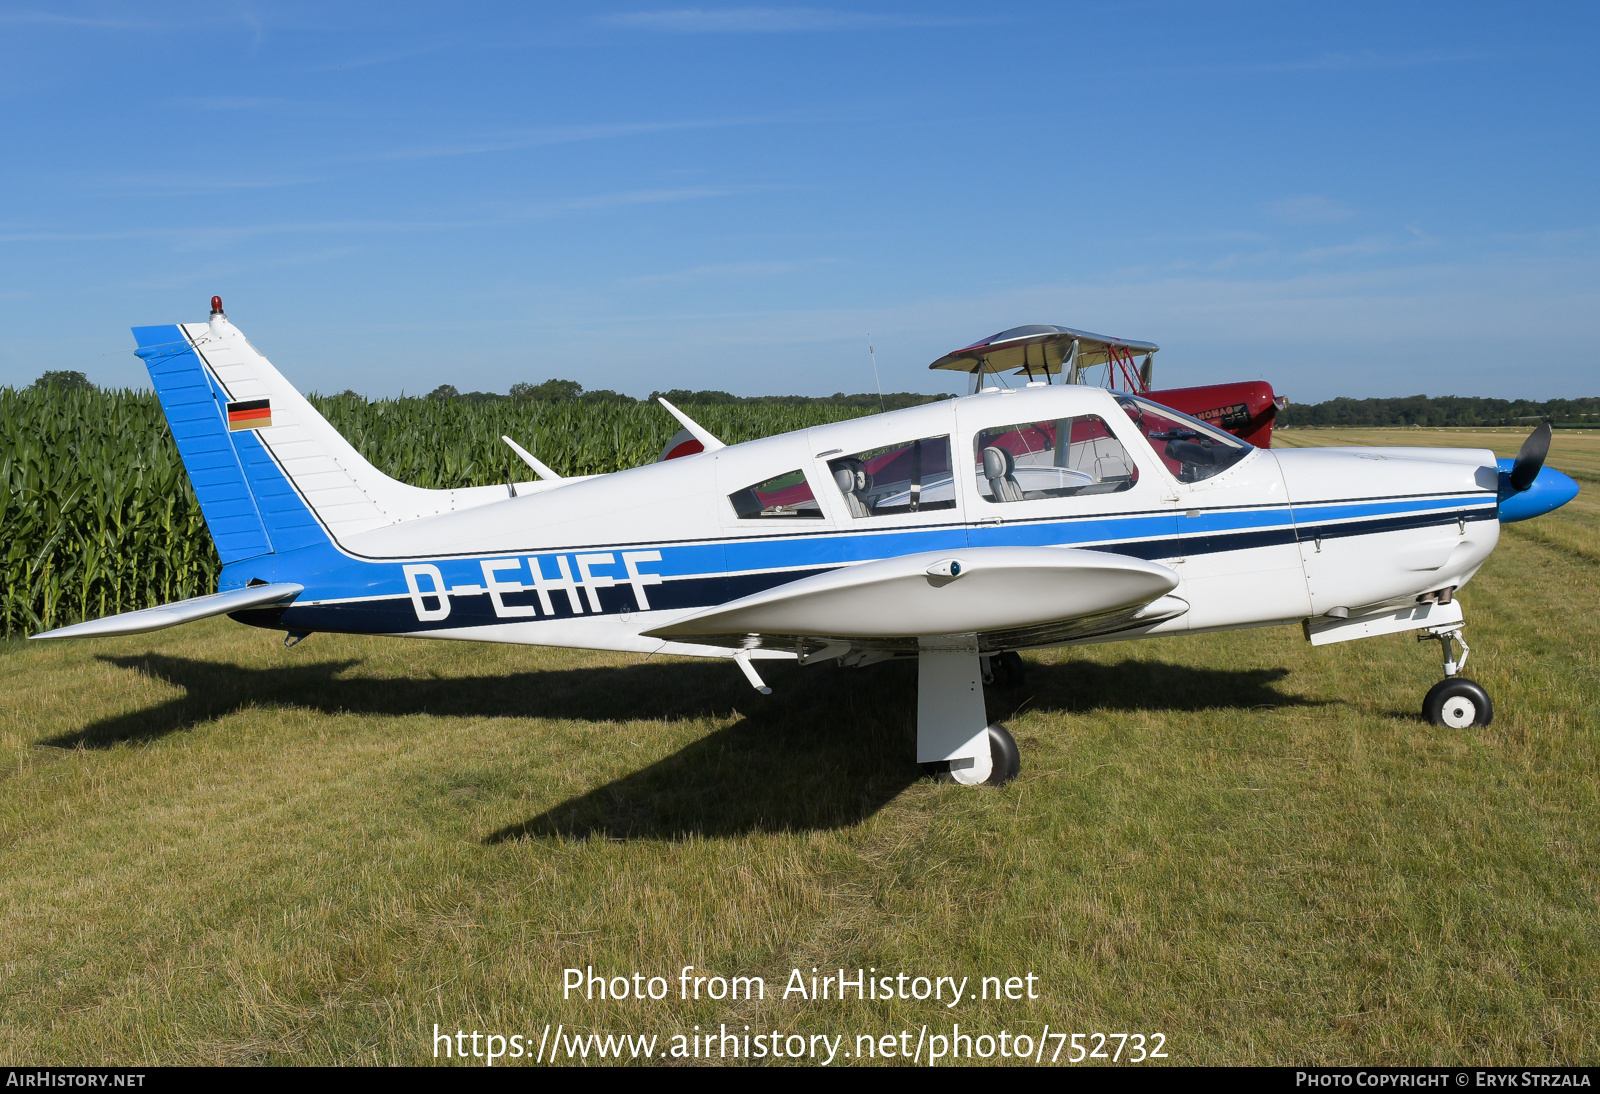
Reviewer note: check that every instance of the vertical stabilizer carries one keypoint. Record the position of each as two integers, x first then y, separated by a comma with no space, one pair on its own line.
189,400
272,474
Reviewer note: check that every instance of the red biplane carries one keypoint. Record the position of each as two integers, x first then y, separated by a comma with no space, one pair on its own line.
1047,354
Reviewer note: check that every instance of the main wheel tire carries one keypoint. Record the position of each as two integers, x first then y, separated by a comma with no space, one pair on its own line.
1003,750
1458,703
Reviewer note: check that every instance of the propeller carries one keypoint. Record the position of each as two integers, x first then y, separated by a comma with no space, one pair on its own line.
1530,458
1147,371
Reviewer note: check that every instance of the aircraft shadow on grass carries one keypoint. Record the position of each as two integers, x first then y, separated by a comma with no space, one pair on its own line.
828,749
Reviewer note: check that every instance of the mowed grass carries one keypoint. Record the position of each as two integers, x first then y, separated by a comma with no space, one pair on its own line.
216,850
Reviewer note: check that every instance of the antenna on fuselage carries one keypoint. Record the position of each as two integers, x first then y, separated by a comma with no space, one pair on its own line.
700,432
875,379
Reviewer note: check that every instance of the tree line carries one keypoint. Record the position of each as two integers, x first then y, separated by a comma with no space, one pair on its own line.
1440,410
570,391
1418,410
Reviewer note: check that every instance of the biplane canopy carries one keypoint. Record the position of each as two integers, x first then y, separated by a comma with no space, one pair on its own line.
1040,350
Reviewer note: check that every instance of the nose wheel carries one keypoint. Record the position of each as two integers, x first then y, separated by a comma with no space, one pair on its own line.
1455,702
1458,703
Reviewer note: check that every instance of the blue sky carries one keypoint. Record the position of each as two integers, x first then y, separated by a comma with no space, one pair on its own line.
1351,199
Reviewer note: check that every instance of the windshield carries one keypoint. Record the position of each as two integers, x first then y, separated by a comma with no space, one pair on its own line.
1191,449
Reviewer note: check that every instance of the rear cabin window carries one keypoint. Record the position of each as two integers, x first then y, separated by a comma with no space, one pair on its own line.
783,497
1063,458
911,477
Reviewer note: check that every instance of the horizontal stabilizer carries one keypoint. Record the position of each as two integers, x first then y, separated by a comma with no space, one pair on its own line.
184,611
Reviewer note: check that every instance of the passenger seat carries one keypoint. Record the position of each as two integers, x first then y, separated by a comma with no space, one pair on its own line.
846,480
998,465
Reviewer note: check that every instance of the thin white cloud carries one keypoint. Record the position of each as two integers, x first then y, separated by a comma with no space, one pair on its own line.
1344,62
380,58
52,18
1369,247
190,238
1310,209
195,183
210,103
641,197
216,271
47,236
770,20
722,270
518,139
1314,335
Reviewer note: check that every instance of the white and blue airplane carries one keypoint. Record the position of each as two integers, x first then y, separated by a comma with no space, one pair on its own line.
958,533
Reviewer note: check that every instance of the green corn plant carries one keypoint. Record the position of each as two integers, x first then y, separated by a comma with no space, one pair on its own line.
97,515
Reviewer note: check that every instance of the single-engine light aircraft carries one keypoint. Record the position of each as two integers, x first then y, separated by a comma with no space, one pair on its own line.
957,532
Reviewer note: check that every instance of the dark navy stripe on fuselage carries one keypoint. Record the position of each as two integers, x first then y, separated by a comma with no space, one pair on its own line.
396,615
472,606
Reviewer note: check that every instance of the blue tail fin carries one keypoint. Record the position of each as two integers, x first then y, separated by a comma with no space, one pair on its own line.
249,506
272,474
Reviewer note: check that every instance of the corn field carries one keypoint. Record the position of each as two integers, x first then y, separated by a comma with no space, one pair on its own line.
97,515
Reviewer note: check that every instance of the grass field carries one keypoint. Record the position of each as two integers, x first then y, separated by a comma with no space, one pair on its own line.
216,850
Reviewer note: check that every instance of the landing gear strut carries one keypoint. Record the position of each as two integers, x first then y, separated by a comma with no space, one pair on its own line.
954,735
1455,702
1004,670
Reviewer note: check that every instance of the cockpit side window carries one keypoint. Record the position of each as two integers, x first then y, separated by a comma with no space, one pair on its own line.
911,477
1190,449
1062,458
785,496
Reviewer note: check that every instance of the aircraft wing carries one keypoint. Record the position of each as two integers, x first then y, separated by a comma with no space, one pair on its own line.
1011,597
1039,349
184,611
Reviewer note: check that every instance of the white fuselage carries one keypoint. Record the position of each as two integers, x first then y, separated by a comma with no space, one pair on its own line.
602,562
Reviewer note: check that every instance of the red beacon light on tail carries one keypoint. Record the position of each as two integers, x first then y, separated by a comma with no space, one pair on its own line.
216,306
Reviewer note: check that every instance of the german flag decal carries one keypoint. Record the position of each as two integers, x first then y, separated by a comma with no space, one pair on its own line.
250,414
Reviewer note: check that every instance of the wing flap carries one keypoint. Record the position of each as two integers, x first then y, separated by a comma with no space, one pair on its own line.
184,611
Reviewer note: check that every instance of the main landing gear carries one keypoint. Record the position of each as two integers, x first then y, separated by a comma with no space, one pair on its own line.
1004,669
1005,761
954,734
1455,701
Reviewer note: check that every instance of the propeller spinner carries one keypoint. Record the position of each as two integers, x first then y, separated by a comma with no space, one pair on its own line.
1530,458
1529,488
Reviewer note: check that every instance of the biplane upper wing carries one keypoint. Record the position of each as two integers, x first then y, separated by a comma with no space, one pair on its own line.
1039,348
1007,596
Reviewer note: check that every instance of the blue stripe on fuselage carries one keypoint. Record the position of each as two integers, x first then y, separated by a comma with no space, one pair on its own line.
346,594
1319,512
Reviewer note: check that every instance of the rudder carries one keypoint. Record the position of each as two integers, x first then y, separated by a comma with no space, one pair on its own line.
272,474
194,414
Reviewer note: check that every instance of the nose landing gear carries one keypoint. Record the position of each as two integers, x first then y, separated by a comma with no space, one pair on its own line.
1455,702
